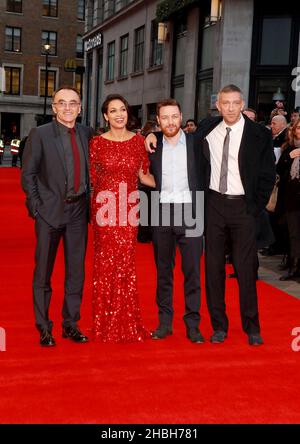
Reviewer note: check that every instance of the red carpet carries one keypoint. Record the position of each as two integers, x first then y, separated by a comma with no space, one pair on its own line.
171,381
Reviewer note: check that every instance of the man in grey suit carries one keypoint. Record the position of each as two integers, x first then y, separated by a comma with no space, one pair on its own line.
55,179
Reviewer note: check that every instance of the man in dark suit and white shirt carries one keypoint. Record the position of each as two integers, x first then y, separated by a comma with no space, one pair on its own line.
239,168
240,175
55,178
173,167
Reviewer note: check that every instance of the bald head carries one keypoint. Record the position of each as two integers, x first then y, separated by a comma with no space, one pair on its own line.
278,124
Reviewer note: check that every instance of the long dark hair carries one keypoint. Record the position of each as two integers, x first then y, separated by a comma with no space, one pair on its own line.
131,122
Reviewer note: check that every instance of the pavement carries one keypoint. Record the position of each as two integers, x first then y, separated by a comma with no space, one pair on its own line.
268,272
6,160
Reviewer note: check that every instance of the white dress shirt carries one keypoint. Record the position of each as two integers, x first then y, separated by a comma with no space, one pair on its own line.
175,186
215,141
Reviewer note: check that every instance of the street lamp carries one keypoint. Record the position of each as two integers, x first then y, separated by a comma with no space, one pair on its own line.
47,48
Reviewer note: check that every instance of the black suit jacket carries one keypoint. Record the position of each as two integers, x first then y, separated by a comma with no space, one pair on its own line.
194,166
280,139
44,172
256,161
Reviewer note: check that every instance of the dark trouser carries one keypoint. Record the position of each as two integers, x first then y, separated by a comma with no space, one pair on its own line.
293,222
14,159
223,215
73,230
165,239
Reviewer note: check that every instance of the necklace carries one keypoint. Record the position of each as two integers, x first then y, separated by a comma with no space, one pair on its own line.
121,139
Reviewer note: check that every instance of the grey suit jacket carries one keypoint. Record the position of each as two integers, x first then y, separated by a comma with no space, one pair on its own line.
44,173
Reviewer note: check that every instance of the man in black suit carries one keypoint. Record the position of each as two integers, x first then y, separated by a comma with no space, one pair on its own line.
240,175
177,181
55,179
239,168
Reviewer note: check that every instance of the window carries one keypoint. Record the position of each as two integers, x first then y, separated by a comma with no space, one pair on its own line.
123,55
51,82
110,61
81,10
276,36
139,49
156,48
180,46
205,90
50,8
151,111
110,8
79,46
12,80
208,46
14,6
121,4
50,38
79,82
12,39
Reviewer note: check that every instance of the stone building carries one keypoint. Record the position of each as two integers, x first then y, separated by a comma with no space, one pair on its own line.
25,28
203,45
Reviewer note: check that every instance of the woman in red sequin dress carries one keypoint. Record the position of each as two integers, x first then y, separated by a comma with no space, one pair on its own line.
117,159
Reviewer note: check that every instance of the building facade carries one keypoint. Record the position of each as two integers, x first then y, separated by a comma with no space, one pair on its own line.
127,59
203,46
41,48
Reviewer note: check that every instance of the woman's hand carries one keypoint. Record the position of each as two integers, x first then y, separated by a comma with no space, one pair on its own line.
146,179
295,153
150,143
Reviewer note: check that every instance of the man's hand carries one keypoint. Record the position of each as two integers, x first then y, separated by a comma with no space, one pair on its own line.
150,143
295,153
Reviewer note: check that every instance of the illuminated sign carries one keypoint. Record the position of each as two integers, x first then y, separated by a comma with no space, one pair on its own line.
93,42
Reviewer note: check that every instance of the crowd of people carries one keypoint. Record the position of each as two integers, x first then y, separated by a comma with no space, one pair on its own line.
285,216
72,175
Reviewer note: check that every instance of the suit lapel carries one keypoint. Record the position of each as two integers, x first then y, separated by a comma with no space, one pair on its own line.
246,141
209,126
190,160
59,147
84,143
206,152
159,153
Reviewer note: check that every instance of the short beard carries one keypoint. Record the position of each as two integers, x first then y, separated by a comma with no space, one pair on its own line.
173,133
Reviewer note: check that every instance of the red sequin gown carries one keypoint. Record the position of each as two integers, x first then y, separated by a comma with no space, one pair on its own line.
116,311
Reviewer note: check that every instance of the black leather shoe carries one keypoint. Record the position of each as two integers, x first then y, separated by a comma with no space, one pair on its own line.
194,335
46,339
161,332
285,263
74,334
255,339
290,275
218,336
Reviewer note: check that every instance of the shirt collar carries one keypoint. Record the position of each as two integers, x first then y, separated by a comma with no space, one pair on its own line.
236,127
63,128
181,139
